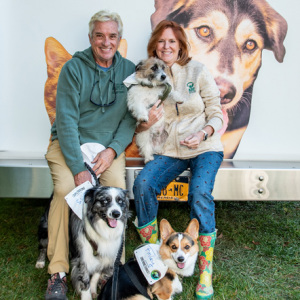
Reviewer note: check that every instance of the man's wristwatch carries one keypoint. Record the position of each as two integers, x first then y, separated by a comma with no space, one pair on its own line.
205,134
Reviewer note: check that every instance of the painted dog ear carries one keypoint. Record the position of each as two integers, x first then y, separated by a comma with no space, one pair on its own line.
276,27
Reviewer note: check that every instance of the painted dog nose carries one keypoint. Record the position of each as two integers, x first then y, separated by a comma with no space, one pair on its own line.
180,258
163,77
227,90
115,214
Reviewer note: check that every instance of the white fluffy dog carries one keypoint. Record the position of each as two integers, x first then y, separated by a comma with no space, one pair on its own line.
149,83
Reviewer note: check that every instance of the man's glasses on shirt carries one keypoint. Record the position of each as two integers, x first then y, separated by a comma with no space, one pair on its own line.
107,104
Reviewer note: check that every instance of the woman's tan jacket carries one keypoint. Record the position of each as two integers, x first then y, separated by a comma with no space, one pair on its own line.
201,107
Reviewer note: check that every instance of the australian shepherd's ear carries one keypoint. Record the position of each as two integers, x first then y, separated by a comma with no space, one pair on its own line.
89,194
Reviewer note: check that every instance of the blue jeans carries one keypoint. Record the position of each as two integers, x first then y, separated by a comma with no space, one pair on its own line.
158,173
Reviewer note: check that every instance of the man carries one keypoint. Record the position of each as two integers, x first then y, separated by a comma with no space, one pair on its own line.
90,108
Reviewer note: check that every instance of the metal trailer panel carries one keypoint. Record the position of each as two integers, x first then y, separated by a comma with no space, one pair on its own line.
236,180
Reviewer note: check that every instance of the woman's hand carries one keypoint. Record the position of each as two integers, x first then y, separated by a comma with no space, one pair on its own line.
193,140
155,114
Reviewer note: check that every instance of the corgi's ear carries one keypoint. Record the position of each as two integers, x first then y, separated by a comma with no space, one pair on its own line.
193,229
165,229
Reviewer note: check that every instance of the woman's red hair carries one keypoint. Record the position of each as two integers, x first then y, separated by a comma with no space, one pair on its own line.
179,34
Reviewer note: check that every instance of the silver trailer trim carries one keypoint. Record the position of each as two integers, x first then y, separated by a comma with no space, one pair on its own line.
236,180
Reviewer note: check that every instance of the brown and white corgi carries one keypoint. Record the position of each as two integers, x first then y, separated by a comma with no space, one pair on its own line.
178,251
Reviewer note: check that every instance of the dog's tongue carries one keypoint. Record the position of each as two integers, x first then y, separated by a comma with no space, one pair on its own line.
225,122
180,265
112,222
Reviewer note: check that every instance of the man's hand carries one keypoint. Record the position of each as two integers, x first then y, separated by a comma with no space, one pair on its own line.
82,177
103,160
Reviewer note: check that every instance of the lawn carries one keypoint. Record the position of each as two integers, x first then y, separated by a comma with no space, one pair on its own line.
256,254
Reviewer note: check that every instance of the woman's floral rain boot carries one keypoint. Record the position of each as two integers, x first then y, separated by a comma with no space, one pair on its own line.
204,288
149,232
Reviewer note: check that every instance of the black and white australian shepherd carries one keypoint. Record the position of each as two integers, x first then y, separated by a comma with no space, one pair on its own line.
149,83
96,239
178,251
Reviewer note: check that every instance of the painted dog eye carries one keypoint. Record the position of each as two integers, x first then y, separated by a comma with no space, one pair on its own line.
187,247
250,45
203,31
173,247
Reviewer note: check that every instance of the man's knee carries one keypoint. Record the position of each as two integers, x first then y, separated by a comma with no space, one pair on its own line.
113,180
63,189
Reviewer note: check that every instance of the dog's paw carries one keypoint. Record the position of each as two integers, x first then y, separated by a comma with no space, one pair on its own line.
107,273
148,158
143,119
40,264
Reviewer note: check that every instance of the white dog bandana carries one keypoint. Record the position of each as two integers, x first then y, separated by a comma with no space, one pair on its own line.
151,265
75,198
130,80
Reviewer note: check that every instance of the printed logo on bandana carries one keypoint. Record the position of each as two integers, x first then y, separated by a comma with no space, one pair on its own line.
155,274
191,87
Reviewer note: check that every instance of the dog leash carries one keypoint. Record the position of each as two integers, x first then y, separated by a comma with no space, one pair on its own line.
114,290
166,92
92,173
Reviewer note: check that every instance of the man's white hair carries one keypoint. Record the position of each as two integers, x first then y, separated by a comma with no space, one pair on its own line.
104,16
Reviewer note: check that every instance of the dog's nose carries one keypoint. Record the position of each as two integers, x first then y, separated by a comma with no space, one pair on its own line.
180,258
227,90
115,214
163,77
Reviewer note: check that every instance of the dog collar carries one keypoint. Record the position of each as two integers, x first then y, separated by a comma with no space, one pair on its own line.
150,263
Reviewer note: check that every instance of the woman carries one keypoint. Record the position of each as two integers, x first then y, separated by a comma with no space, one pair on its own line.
193,142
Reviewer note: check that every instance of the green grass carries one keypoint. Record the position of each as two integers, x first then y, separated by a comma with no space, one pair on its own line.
256,254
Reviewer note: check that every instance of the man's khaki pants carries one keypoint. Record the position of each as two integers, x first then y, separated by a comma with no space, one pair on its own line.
58,220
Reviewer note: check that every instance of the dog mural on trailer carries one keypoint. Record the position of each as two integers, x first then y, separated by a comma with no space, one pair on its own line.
228,36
